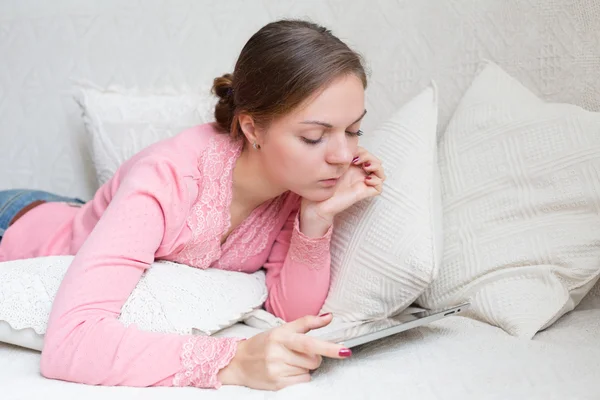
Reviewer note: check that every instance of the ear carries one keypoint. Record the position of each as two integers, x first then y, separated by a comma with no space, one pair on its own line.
249,128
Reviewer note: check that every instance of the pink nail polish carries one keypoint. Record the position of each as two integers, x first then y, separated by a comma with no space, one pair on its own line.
367,164
345,353
368,177
324,315
354,160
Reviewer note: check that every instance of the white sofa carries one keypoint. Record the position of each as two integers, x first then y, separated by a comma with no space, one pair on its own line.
552,46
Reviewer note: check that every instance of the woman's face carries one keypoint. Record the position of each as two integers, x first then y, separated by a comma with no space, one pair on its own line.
306,150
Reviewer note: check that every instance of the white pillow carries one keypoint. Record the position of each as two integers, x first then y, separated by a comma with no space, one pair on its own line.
169,297
521,196
122,122
386,250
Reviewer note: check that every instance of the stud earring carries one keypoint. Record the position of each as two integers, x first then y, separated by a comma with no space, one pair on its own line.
256,146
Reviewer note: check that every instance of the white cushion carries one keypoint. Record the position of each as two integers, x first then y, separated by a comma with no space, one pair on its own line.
386,250
169,297
521,196
122,122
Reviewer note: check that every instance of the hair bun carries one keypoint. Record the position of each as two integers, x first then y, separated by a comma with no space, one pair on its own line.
225,107
223,87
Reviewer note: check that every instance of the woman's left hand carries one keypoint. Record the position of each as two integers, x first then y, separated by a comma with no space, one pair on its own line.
362,180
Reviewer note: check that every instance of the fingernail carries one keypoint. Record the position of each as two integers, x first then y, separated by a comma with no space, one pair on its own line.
354,160
368,177
345,353
325,315
367,164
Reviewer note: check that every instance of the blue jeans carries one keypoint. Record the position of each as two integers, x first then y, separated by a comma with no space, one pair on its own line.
13,201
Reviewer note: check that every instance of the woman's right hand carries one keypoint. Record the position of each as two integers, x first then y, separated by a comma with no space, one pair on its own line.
282,356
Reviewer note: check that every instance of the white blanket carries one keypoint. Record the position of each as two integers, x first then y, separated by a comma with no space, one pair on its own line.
456,358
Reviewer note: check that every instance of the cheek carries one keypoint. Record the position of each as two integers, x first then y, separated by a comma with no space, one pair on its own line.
353,144
293,164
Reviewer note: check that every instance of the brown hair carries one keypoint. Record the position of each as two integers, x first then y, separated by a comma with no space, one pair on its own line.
281,65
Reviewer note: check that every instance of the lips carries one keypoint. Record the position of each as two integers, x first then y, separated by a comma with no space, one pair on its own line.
329,182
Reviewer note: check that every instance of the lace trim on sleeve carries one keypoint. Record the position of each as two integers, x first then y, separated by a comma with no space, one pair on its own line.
310,251
202,357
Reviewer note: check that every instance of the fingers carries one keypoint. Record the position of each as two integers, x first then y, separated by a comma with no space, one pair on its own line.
292,370
308,322
293,380
374,168
369,163
293,354
363,156
310,345
291,377
304,361
374,182
361,153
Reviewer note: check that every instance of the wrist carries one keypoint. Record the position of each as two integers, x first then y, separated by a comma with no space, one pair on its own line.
312,223
231,374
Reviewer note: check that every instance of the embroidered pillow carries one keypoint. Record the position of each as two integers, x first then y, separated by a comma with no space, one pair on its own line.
169,297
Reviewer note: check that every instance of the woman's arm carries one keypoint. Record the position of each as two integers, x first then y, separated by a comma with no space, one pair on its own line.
298,267
84,341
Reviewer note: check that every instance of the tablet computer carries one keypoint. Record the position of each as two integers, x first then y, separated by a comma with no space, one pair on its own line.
351,335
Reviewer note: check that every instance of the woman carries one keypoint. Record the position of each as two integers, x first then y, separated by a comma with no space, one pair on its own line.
258,188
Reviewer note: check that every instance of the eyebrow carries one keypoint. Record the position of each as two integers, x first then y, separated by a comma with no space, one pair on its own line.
328,125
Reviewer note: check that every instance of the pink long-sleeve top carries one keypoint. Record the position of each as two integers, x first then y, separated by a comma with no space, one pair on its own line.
171,201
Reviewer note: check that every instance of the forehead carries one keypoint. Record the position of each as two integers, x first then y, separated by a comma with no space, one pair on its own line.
338,103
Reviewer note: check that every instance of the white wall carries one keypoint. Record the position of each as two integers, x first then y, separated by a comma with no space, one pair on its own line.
553,46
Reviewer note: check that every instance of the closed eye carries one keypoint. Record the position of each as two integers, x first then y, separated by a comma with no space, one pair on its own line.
310,141
357,133
319,140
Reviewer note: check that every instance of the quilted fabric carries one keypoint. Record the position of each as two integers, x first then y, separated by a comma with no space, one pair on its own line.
120,123
521,196
168,298
552,46
385,251
453,359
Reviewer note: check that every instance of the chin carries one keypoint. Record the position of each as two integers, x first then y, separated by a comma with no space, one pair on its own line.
316,195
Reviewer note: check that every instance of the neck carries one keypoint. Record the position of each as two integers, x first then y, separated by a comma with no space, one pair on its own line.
251,186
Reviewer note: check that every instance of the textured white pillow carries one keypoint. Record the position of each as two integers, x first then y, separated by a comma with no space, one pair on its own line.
521,196
386,250
122,122
169,297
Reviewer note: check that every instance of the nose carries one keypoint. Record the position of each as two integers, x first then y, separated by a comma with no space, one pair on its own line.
339,150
